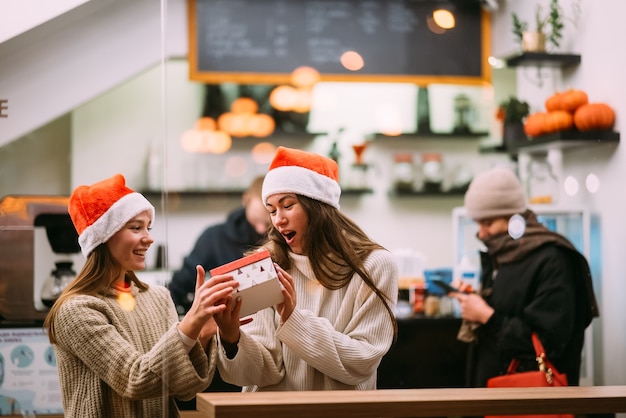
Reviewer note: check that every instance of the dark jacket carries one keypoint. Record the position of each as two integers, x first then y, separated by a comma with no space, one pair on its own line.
217,245
547,290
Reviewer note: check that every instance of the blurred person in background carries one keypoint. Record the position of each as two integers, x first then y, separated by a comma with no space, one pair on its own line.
222,243
532,280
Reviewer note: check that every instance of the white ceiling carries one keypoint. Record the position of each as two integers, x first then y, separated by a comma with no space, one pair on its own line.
50,69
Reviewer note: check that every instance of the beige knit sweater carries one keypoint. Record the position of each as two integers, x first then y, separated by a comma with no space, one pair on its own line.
117,363
334,339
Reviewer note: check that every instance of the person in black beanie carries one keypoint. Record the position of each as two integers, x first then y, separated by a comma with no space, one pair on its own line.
532,280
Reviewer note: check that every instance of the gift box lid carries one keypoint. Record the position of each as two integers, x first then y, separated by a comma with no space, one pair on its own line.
241,262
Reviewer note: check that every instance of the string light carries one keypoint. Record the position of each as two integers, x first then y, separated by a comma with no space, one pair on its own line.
444,19
211,136
296,97
352,60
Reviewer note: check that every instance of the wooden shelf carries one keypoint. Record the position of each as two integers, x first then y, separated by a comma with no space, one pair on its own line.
356,191
491,149
424,193
433,135
566,139
542,59
558,140
277,136
155,194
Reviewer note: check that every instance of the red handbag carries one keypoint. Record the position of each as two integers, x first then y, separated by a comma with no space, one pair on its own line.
546,376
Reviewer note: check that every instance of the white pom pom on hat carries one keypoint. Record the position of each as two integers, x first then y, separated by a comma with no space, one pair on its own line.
303,173
100,210
495,192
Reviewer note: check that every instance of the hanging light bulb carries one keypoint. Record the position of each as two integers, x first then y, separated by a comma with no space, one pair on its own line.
206,123
305,77
352,60
217,142
283,98
261,125
303,101
244,105
444,18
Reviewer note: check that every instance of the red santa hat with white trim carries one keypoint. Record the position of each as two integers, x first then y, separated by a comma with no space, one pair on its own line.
303,173
100,210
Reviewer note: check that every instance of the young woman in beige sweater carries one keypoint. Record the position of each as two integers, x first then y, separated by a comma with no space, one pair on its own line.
121,351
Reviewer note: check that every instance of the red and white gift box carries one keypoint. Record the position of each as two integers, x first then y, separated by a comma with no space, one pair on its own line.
259,287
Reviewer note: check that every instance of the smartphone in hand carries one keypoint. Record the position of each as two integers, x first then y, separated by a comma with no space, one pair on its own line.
448,288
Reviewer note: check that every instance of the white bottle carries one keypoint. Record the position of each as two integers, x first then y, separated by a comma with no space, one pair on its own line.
467,272
154,169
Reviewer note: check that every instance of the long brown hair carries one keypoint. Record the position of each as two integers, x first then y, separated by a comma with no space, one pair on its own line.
340,248
96,277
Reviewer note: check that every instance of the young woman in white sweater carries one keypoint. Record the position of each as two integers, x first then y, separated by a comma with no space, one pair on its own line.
340,289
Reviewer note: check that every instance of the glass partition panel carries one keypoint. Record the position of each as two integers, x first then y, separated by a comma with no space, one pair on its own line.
98,88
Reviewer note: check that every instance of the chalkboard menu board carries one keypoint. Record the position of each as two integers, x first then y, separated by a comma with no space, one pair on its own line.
263,41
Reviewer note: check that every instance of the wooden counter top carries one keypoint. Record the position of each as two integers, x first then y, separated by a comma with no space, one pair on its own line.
414,402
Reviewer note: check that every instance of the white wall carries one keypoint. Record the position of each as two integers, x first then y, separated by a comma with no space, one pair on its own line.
598,30
81,54
22,15
39,162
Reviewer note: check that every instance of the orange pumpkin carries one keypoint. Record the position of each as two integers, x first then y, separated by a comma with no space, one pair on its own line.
553,102
558,120
534,124
568,100
594,116
573,99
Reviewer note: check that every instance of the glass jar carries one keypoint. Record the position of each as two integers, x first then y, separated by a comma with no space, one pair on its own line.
431,306
446,306
403,172
358,177
543,186
432,171
54,285
417,297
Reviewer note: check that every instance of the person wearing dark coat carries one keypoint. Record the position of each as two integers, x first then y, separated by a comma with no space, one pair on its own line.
532,280
219,244
222,243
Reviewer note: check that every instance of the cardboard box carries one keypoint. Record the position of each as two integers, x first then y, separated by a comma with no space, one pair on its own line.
259,287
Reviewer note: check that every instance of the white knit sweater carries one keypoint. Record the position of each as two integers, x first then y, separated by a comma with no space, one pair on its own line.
334,339
118,363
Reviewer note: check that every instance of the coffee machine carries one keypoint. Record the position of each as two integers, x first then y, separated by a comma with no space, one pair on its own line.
39,254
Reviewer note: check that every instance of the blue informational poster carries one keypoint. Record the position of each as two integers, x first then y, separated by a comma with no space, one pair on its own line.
29,382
